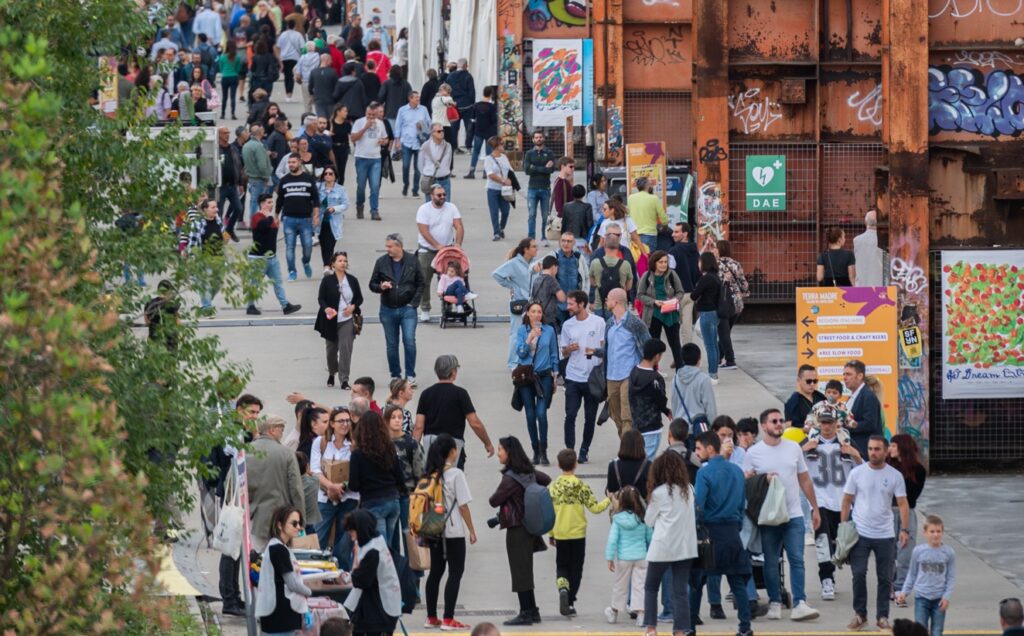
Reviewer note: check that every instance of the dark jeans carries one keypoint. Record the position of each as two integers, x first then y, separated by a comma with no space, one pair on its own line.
289,75
450,554
457,289
738,585
451,133
327,242
569,556
672,335
478,143
680,603
395,320
410,157
332,515
341,154
725,339
535,405
885,556
576,393
230,194
229,590
229,90
499,209
825,542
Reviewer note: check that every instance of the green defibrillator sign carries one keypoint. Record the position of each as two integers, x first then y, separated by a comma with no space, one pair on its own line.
766,183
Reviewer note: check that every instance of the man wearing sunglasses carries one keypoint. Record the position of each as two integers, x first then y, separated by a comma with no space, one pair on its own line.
804,398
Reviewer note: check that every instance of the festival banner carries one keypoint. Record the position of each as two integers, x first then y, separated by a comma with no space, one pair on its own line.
982,324
647,160
837,324
559,76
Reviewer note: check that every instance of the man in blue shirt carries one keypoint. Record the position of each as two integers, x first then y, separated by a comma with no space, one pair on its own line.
720,500
625,335
412,126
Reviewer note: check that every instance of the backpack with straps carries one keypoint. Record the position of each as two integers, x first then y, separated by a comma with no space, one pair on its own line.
609,278
428,512
618,477
538,507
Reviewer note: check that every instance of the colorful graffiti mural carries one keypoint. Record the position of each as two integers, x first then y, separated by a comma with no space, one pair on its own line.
967,100
557,82
544,14
510,100
615,140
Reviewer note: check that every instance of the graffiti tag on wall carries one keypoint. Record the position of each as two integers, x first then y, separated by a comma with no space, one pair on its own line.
615,141
755,112
654,50
908,276
968,8
967,100
544,14
710,211
869,106
510,96
987,59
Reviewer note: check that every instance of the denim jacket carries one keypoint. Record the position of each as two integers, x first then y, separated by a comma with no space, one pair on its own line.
546,357
336,198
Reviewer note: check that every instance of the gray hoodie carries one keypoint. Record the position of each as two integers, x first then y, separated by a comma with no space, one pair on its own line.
694,387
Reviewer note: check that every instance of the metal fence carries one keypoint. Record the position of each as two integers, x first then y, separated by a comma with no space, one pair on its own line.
660,116
987,430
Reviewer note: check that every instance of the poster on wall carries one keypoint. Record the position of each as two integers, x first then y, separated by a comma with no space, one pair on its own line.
561,72
384,9
983,324
837,324
647,160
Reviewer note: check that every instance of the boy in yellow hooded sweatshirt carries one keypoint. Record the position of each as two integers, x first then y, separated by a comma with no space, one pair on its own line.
570,496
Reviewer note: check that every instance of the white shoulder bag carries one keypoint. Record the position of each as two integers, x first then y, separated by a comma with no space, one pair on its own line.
227,536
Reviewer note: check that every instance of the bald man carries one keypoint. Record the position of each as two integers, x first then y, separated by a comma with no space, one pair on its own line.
625,335
321,86
867,254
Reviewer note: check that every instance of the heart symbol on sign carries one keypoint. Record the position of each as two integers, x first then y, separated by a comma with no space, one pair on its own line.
763,175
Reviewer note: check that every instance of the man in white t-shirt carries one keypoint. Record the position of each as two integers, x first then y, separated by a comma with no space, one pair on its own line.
368,135
581,334
783,460
829,464
440,225
869,490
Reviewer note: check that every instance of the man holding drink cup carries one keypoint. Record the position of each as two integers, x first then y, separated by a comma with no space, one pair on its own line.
582,334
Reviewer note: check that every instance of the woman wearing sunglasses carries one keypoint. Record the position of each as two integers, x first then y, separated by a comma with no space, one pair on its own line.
281,595
333,203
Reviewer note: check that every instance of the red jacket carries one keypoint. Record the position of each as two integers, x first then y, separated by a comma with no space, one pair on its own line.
337,59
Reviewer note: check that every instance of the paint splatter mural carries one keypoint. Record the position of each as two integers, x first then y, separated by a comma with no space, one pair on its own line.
557,81
983,324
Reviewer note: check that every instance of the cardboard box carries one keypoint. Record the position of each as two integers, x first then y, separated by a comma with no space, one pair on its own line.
335,470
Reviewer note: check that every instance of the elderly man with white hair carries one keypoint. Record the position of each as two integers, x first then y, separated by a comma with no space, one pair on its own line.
867,254
308,63
273,478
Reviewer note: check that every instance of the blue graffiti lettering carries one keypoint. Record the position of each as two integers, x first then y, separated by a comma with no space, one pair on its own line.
966,100
911,393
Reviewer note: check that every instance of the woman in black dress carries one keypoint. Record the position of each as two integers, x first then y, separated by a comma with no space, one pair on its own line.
836,266
340,128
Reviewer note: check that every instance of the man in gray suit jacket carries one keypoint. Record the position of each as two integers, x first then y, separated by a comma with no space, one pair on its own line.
273,477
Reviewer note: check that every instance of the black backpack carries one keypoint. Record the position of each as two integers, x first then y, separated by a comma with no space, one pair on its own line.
726,307
609,278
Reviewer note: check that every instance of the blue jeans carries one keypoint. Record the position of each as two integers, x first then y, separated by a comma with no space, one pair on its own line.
791,537
499,209
709,331
256,188
444,182
885,557
234,212
334,515
394,319
927,610
537,197
478,143
675,584
138,273
576,393
297,227
457,289
513,357
410,157
738,585
650,240
535,405
387,512
272,270
368,170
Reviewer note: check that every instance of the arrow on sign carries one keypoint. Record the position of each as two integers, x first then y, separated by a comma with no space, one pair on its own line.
807,320
808,354
807,337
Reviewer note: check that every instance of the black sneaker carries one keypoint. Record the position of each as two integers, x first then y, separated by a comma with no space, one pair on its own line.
522,618
535,615
584,457
564,608
572,612
697,620
233,611
717,612
330,380
471,174
345,386
291,309
234,237
757,610
252,311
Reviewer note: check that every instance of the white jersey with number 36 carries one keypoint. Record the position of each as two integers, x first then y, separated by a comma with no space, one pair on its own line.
828,472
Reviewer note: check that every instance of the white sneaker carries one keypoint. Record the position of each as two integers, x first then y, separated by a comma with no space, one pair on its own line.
610,615
424,316
472,296
774,612
460,309
828,590
316,240
803,612
714,380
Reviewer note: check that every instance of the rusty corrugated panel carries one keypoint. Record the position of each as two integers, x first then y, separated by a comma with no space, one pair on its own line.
711,117
765,30
658,56
851,31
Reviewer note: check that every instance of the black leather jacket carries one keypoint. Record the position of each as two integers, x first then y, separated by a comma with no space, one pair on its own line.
406,291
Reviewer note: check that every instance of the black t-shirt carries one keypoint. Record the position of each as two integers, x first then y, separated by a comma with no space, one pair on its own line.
837,267
798,407
445,407
283,618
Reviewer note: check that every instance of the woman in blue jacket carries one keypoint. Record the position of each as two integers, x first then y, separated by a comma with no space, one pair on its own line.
516,275
536,345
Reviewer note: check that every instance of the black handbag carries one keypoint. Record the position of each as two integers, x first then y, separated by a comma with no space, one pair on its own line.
517,307
726,307
705,549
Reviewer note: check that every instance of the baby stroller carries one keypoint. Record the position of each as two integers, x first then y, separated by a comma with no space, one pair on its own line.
449,311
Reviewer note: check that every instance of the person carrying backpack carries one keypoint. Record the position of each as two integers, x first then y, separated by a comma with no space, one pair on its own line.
609,271
515,514
449,549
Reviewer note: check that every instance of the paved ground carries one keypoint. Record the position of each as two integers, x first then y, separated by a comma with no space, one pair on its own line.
287,355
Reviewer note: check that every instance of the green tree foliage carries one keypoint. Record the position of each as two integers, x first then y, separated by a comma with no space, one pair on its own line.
103,429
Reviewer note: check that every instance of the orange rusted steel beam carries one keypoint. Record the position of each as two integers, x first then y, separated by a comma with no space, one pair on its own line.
905,94
510,77
615,143
711,119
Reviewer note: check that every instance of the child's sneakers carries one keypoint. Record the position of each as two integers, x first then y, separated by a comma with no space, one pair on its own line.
564,608
472,295
459,309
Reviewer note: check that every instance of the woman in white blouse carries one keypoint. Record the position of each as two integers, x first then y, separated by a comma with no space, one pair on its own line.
670,511
335,445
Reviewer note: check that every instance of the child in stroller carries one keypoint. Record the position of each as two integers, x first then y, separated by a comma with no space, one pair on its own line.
452,286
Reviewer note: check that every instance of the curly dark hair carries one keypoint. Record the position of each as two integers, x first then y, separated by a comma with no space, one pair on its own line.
669,468
372,439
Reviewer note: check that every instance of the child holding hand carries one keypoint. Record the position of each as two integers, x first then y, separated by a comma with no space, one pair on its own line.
626,552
